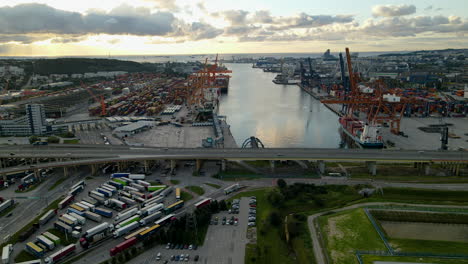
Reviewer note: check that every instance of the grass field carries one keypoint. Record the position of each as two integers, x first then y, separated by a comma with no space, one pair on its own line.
371,259
57,183
429,246
24,256
185,196
346,232
71,141
63,238
175,182
213,185
196,189
422,196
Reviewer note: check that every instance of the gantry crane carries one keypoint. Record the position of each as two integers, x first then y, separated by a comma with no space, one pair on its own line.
100,99
375,106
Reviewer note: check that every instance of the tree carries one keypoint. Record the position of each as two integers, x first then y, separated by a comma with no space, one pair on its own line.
53,139
275,197
33,139
275,218
281,183
222,205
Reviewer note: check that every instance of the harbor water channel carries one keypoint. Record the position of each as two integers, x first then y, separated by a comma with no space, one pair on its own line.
281,116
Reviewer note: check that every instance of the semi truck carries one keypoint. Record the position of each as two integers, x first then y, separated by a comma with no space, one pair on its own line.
116,203
171,208
140,187
103,212
123,246
104,191
151,218
52,238
46,217
126,229
144,183
127,200
203,202
129,189
123,183
6,252
46,242
157,199
62,253
71,210
76,190
137,176
34,249
93,216
71,218
81,220
98,196
95,234
128,221
65,201
63,227
126,214
116,184
165,220
90,201
119,175
89,205
167,191
83,206
150,209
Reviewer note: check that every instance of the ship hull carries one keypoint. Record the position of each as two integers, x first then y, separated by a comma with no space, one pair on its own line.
376,145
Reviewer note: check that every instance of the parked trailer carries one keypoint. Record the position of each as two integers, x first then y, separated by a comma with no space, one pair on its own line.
119,175
117,203
167,191
123,246
80,183
76,190
34,249
46,217
105,192
203,202
77,207
128,221
98,196
125,229
124,193
123,183
71,210
90,201
63,227
52,238
164,220
110,187
127,180
66,221
93,216
154,188
65,201
36,261
117,185
138,194
157,199
81,219
140,187
46,242
134,234
177,193
148,232
128,201
90,205
103,212
137,176
144,183
57,256
97,229
83,206
130,189
126,214
95,234
71,218
139,199
6,252
150,209
150,218
112,191
171,208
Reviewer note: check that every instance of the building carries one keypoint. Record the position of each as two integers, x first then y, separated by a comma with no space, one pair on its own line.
133,128
33,123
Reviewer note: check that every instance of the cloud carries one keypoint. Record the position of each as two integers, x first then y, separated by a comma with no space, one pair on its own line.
263,17
240,30
393,10
235,17
304,20
428,8
200,30
23,39
169,5
201,6
71,39
39,18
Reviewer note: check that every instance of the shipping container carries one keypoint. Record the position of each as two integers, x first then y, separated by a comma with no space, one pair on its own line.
78,208
132,219
119,175
71,218
71,210
144,183
81,219
105,192
128,201
93,216
138,194
157,199
83,206
124,193
65,201
46,242
140,188
34,249
109,187
62,253
66,221
52,238
103,212
123,246
151,218
117,185
46,217
137,176
130,189
126,229
89,205
63,227
90,201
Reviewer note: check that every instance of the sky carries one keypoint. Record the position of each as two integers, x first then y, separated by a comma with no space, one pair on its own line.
162,27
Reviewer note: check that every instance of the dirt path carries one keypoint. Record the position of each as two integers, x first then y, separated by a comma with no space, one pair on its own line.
313,226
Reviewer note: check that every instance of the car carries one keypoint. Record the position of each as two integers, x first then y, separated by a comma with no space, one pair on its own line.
173,246
177,257
12,154
253,197
182,257
186,246
168,246
172,257
158,256
190,247
195,247
179,246
253,205
251,224
223,222
167,261
252,218
187,257
196,258
10,214
235,223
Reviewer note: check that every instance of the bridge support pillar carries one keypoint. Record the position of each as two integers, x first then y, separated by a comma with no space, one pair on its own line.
223,165
198,164
4,177
321,166
457,169
65,171
427,169
173,165
1,163
94,169
272,166
372,167
146,165
37,175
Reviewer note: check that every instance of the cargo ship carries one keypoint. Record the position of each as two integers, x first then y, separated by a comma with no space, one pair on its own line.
368,136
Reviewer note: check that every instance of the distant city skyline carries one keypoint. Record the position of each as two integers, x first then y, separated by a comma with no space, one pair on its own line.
163,27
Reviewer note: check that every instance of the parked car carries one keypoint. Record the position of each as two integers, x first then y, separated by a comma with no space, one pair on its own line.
251,224
168,246
158,256
196,258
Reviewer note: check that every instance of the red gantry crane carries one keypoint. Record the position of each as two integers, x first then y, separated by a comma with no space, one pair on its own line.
100,99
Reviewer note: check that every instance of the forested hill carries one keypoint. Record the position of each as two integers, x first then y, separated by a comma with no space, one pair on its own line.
82,65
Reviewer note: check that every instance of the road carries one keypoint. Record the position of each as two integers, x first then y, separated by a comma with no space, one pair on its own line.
313,226
94,154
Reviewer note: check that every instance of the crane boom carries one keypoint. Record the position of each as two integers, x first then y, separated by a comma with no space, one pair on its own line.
100,99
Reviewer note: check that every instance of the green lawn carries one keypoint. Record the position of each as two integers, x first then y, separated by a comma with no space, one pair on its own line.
57,183
429,246
71,141
185,196
24,256
423,196
196,189
213,185
175,182
370,260
346,232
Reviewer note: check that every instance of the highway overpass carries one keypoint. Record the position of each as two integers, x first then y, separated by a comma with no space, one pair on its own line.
74,155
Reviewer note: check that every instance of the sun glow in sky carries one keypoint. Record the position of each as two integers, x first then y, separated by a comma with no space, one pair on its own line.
120,27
